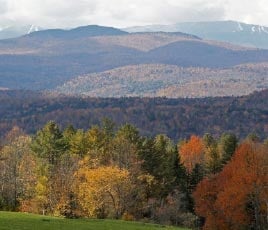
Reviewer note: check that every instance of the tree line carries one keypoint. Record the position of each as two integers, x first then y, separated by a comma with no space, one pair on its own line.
109,172
178,118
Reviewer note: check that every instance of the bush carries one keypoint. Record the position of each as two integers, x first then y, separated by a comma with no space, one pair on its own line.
128,217
188,220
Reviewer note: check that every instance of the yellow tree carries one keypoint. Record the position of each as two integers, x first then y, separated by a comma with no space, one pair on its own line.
103,191
17,170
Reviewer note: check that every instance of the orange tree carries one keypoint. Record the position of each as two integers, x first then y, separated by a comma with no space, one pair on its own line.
236,198
192,152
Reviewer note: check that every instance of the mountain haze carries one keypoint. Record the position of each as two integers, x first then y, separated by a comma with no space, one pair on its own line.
228,31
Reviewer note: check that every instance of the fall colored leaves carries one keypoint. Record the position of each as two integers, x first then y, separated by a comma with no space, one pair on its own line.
192,152
102,189
234,191
108,173
237,196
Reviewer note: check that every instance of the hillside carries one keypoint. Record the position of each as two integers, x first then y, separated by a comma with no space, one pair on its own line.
48,59
156,80
178,118
18,221
227,31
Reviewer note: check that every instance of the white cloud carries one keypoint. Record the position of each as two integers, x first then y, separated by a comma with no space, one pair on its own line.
249,11
3,6
120,13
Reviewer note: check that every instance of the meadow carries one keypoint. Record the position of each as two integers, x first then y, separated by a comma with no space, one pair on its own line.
25,221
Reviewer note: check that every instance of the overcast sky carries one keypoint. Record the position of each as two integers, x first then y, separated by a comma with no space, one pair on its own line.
123,13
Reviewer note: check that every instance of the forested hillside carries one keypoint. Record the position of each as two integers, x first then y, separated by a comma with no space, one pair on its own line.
178,118
156,80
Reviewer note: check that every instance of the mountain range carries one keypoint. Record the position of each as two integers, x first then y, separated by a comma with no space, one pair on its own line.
227,31
54,60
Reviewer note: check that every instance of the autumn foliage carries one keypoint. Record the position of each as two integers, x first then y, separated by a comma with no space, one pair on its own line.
103,191
237,196
192,152
104,172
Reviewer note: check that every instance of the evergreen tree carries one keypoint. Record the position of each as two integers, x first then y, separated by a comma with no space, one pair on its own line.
49,143
227,145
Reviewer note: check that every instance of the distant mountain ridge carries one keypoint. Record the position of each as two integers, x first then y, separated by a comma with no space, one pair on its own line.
83,31
228,31
14,31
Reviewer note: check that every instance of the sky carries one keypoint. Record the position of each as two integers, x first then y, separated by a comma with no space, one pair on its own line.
125,13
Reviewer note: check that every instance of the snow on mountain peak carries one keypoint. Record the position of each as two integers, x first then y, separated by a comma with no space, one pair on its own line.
264,29
259,29
240,26
33,28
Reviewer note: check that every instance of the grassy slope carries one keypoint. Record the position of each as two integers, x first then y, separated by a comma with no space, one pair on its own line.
22,221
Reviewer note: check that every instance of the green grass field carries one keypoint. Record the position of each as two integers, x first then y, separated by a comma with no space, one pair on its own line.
23,221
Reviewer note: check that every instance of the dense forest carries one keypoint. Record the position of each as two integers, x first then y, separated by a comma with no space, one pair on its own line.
178,118
109,172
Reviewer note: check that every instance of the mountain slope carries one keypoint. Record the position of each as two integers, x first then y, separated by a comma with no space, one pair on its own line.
171,81
228,31
203,54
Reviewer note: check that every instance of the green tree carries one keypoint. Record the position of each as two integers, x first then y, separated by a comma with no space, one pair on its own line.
125,147
48,143
68,134
213,157
51,147
79,144
227,146
159,157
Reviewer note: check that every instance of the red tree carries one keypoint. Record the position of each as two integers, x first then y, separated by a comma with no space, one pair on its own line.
236,197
